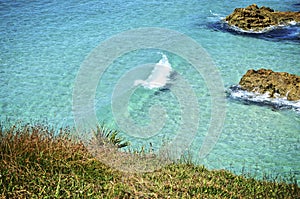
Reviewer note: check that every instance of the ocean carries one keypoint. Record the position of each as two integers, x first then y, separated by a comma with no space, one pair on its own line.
45,45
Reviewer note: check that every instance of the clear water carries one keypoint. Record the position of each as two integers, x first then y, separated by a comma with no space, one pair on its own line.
43,44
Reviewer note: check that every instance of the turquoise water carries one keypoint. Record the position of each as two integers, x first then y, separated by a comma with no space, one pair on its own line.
43,45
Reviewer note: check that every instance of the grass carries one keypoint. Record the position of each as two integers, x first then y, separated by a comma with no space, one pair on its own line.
37,163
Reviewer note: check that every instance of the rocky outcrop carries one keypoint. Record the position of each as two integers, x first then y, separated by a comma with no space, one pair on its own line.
276,84
253,18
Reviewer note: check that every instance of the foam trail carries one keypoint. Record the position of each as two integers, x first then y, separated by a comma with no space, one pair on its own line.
159,75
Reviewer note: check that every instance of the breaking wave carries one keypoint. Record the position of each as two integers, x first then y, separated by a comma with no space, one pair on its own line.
159,76
289,32
235,92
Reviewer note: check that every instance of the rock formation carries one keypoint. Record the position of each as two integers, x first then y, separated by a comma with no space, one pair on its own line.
253,18
277,84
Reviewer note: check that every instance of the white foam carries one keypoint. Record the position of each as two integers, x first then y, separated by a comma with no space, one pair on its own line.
264,30
293,23
280,102
159,75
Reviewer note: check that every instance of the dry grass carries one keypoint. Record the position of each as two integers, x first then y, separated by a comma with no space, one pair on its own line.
36,163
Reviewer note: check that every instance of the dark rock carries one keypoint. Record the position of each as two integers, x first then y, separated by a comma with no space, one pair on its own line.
257,19
277,84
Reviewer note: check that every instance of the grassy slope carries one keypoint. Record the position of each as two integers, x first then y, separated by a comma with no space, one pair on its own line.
35,164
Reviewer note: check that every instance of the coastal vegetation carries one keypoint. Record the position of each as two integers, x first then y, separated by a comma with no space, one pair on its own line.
38,162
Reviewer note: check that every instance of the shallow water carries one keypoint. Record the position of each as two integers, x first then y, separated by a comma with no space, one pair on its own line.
43,45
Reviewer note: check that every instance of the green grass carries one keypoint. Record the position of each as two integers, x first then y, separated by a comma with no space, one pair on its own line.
37,163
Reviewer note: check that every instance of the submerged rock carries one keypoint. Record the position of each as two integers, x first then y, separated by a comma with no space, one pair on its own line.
276,84
253,18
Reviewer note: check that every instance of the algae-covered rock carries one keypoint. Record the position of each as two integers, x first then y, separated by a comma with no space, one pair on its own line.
253,18
276,84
